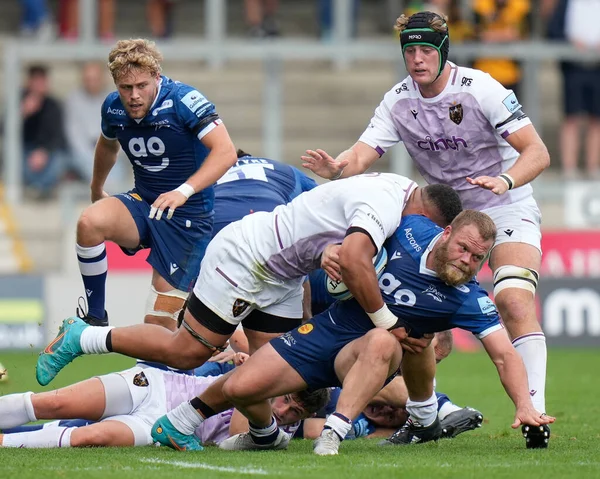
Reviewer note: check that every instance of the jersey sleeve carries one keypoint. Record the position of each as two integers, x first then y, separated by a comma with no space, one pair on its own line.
107,130
195,111
381,134
303,183
478,314
373,214
502,108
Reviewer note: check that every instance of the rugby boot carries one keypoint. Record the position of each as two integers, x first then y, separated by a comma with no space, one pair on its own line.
166,434
536,437
413,433
244,442
82,313
327,444
457,422
61,351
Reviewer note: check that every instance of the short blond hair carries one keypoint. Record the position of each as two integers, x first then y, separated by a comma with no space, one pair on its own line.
136,54
439,23
485,225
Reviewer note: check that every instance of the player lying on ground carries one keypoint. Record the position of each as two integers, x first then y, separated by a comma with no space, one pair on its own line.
126,404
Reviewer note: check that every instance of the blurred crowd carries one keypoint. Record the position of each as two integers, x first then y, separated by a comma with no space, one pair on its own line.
55,150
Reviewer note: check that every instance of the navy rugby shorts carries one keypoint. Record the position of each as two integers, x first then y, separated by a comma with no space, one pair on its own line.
177,245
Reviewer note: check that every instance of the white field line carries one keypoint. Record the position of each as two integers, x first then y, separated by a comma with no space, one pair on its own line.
200,465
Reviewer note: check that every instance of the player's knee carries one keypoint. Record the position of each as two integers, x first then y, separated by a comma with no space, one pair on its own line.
86,223
380,345
163,308
236,392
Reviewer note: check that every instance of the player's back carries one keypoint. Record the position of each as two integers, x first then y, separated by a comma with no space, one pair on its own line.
256,184
290,240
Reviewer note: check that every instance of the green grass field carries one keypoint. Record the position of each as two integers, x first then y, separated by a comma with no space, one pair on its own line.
469,379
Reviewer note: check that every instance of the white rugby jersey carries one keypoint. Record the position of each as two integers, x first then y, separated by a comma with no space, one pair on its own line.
288,241
459,133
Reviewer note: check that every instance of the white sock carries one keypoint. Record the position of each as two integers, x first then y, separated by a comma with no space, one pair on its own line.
16,410
424,412
93,339
447,408
339,423
532,348
185,418
43,438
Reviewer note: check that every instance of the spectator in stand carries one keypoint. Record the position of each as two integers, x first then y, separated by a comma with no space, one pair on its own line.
43,134
576,22
82,124
68,14
36,21
160,17
260,17
501,21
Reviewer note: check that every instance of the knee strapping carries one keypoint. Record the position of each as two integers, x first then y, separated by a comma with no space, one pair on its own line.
510,276
166,304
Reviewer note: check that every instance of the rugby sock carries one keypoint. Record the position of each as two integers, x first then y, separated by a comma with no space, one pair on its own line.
340,424
93,266
425,412
264,435
532,348
185,418
94,339
44,438
204,409
16,409
445,406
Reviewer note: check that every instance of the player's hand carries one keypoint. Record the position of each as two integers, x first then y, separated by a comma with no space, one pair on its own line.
416,346
320,163
330,261
529,416
170,200
493,183
400,333
98,195
240,358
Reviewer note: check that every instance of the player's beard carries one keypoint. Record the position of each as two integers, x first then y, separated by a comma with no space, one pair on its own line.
449,272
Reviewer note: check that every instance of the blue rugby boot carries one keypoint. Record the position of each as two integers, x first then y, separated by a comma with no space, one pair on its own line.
166,434
61,351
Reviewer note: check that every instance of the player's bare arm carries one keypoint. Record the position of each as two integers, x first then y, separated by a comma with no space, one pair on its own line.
533,159
222,156
514,379
105,157
354,161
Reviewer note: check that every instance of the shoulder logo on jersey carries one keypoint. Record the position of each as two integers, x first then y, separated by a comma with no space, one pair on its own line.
411,240
414,113
486,305
396,255
165,104
466,81
115,111
401,88
305,328
434,293
194,100
140,380
511,103
239,306
456,113
509,232
463,288
376,220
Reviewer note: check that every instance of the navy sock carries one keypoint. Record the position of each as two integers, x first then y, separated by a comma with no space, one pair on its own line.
93,267
441,400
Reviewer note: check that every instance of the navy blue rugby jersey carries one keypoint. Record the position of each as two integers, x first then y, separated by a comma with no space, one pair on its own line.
415,294
164,147
256,184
